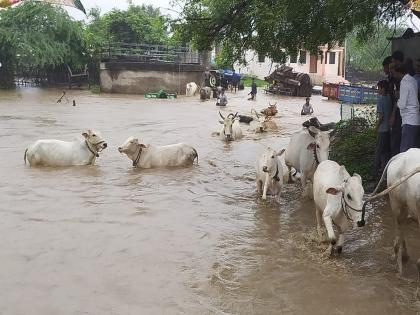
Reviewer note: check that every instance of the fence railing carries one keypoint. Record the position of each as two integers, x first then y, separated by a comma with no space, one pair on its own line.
149,53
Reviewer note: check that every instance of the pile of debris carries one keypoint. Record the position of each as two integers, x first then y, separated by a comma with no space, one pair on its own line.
286,82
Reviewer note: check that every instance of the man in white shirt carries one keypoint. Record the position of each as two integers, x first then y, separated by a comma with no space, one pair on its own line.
408,104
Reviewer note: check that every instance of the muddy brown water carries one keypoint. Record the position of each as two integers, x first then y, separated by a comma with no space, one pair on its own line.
110,239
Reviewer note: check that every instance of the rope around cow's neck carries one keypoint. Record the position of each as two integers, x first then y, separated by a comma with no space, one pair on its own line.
276,176
386,191
92,150
316,156
136,161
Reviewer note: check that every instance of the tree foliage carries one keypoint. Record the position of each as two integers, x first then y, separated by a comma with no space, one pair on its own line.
138,24
41,34
277,28
368,55
38,35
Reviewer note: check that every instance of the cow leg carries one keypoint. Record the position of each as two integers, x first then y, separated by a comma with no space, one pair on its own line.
304,186
329,225
266,182
259,186
290,174
342,227
400,248
318,213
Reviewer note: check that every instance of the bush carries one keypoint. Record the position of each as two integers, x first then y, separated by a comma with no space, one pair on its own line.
354,146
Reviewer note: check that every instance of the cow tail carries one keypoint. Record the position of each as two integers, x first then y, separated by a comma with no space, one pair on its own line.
196,155
383,175
24,157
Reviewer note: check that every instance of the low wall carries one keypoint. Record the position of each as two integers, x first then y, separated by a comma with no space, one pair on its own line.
140,78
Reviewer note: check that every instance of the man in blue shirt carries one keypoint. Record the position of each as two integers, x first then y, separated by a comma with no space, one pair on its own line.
383,145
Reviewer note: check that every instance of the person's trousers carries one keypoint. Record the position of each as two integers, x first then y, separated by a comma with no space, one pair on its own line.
382,153
410,137
395,140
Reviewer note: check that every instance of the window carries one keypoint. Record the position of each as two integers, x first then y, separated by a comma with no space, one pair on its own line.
321,57
332,58
261,58
302,56
293,58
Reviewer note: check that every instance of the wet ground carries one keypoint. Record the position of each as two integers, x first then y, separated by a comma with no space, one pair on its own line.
110,239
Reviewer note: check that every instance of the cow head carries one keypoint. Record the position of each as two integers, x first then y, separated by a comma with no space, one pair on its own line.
261,127
321,144
227,125
131,147
352,194
270,161
95,140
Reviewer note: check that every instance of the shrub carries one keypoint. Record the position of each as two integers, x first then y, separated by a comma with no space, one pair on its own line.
354,146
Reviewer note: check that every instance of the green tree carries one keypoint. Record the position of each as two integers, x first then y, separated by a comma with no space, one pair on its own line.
368,55
38,35
277,28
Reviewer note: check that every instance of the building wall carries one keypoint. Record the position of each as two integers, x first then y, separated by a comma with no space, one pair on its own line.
409,46
324,70
141,78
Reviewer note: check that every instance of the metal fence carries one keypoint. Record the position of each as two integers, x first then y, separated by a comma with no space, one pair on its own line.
149,53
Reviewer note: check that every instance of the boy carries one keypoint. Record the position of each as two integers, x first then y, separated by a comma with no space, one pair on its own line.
307,108
222,99
383,145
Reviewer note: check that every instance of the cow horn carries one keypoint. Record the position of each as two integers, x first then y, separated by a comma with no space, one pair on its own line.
235,115
221,115
255,112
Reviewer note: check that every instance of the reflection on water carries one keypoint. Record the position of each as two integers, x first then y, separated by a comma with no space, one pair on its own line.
110,239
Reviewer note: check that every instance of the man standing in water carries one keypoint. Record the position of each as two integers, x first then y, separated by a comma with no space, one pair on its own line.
253,90
395,120
408,104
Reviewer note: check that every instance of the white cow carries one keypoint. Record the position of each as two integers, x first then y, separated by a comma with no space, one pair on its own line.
150,156
404,199
63,153
231,129
269,173
338,200
263,123
191,89
305,151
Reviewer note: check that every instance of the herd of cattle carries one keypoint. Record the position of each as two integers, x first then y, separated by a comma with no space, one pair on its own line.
338,196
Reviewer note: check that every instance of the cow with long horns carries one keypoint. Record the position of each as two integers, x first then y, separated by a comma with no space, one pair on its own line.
271,110
263,123
231,129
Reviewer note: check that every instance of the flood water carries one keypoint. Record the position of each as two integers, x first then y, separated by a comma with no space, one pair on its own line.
110,239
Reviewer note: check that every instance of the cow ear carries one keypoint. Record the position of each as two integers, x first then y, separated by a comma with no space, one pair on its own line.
135,140
85,134
281,152
343,172
142,145
221,122
358,177
333,190
311,146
